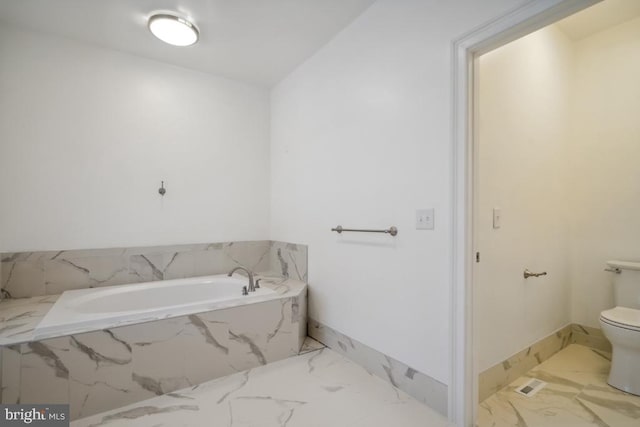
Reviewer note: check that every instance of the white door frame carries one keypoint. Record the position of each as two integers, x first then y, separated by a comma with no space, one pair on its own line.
533,15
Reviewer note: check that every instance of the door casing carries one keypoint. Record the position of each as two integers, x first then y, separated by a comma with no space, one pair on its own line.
523,20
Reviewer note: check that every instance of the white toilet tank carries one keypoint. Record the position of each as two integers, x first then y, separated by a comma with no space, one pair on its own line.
626,284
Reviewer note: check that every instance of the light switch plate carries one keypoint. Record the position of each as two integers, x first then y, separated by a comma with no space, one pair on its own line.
497,218
425,219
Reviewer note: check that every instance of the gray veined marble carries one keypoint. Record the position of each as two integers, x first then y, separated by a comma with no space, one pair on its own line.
19,317
502,374
421,386
289,260
143,411
590,337
577,395
10,375
310,345
206,333
95,370
23,278
104,369
318,389
29,274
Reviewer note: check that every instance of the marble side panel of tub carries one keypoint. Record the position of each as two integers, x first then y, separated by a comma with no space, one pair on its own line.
251,344
299,317
420,386
176,353
102,370
29,274
590,337
289,260
44,377
10,359
501,375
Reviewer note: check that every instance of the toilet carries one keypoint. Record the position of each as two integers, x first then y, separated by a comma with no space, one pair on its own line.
621,325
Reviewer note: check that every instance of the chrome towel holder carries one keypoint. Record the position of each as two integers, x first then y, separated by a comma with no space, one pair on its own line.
393,231
528,274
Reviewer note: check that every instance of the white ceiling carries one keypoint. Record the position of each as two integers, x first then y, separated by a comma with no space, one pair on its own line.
258,41
603,15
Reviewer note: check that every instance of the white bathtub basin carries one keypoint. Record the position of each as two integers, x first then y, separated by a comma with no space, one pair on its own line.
98,308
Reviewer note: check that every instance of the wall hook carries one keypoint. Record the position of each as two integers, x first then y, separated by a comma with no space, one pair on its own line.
162,190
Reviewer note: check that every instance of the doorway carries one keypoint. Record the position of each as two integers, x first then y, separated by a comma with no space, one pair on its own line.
521,95
463,390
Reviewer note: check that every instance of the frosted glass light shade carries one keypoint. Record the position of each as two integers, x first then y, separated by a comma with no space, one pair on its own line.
173,29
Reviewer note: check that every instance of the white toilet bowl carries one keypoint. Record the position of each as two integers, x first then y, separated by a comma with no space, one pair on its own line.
621,325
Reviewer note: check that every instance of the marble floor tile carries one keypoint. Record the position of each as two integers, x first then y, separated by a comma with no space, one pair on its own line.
417,384
577,395
318,388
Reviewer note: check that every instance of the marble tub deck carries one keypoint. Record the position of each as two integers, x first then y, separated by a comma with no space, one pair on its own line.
19,317
577,395
318,388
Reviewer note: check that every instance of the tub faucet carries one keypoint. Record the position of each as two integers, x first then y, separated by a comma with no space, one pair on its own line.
252,286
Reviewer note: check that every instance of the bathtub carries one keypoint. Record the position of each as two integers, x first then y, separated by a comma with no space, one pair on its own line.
101,349
97,308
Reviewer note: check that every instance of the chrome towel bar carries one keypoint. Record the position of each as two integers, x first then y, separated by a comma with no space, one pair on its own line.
392,230
528,274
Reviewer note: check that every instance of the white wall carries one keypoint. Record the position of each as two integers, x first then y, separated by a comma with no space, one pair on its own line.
604,157
360,136
87,134
523,133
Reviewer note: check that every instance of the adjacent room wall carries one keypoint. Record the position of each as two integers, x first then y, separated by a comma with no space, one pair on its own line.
360,137
558,153
523,133
88,134
604,159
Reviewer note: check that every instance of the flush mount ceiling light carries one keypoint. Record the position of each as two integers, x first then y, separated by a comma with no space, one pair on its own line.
173,29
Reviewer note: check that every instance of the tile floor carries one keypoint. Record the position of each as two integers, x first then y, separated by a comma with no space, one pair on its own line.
310,344
316,389
577,395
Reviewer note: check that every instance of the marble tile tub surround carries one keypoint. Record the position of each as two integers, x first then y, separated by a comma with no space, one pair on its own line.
101,370
19,317
29,274
502,374
318,389
418,385
289,260
577,395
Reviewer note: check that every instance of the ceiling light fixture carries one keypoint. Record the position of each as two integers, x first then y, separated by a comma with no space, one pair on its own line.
173,29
